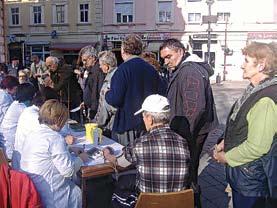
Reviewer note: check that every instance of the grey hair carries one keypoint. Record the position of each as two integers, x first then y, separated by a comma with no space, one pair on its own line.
53,59
163,117
88,51
23,71
108,57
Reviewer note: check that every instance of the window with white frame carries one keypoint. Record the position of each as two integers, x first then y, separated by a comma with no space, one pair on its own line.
37,14
15,16
84,12
194,17
124,11
164,11
60,13
223,16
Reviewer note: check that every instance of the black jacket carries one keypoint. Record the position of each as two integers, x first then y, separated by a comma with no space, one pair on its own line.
66,85
93,85
190,96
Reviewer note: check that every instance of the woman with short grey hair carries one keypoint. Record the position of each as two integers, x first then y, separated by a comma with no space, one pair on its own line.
108,58
105,113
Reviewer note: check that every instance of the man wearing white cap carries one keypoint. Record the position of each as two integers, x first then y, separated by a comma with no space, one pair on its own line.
161,150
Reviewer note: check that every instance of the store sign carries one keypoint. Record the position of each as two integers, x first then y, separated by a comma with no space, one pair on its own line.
203,36
262,35
144,36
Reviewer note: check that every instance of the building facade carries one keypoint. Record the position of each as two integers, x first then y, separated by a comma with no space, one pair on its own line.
62,27
233,24
154,20
56,27
2,34
237,23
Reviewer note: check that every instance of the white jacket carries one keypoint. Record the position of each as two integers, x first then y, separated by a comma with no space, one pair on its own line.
27,122
9,125
5,102
47,161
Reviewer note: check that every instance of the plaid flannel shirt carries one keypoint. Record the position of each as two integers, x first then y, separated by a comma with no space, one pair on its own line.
162,160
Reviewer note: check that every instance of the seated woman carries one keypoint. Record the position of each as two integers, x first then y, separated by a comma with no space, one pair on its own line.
23,97
46,159
29,117
7,90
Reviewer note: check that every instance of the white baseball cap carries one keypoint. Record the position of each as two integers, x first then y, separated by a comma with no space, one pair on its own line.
155,104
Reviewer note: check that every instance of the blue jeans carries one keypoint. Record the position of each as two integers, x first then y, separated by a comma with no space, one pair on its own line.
240,201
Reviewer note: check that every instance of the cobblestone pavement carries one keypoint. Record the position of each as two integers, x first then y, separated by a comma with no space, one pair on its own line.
211,174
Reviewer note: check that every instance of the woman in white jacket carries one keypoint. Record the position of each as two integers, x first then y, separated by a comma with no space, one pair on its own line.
46,159
23,97
7,90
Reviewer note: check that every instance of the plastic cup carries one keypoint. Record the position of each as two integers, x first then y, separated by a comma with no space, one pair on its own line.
93,133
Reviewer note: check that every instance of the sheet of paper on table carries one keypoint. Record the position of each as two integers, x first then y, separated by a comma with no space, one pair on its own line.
81,141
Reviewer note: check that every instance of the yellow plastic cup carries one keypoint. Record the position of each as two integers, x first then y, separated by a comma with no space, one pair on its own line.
93,133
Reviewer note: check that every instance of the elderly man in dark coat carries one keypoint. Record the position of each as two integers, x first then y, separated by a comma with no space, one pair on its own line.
65,83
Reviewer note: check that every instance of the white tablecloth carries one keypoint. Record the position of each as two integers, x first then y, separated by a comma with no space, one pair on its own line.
82,142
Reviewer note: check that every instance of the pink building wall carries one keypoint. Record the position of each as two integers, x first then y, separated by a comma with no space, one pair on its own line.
145,18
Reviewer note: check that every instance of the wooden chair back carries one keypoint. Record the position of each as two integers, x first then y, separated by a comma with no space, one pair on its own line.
181,199
3,157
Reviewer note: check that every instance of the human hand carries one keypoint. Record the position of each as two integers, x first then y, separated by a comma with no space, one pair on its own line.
48,82
37,75
108,156
220,146
69,139
219,156
77,71
82,105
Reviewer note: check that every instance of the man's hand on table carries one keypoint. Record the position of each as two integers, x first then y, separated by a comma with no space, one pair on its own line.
108,156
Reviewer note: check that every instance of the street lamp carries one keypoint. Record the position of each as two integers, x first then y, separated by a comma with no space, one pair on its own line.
208,19
226,50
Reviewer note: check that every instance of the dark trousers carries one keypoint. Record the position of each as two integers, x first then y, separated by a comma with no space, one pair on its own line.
240,201
195,148
99,193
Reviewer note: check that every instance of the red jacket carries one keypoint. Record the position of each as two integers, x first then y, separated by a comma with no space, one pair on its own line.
17,190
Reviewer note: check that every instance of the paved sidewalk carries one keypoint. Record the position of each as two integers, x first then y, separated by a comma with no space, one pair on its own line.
212,174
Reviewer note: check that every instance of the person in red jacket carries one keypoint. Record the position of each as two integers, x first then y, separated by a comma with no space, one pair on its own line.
17,189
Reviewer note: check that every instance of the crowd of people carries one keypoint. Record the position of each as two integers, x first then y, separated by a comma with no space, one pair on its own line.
161,114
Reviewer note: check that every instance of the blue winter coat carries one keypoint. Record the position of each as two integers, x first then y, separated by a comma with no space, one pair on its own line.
133,81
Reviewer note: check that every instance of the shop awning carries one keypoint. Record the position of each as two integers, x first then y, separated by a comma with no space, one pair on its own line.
69,46
37,42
